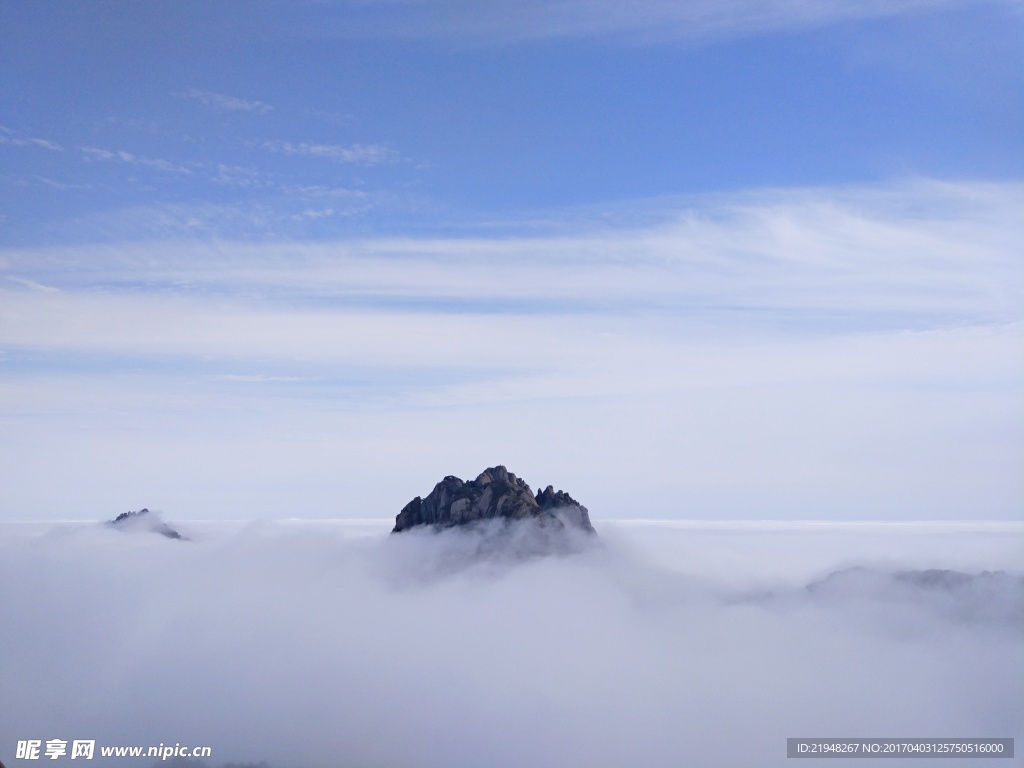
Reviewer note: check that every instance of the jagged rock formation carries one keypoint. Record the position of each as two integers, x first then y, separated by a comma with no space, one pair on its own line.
144,520
495,494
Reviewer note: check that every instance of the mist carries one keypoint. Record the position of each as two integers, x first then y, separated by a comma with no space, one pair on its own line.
326,644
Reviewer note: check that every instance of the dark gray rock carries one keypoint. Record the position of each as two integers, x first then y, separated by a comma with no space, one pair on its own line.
495,494
144,520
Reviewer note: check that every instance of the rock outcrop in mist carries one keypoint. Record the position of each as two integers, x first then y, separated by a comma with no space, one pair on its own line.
144,520
496,494
989,597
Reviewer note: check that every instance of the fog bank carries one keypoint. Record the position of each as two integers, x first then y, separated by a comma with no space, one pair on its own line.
335,644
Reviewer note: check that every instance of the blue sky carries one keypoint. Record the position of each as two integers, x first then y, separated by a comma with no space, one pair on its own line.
693,259
407,114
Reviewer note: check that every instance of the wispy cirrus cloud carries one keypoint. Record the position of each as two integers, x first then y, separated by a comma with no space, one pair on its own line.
357,154
32,284
12,138
647,20
238,176
314,214
61,186
929,250
253,378
220,102
118,155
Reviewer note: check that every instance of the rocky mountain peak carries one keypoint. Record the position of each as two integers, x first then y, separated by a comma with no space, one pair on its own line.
496,493
144,520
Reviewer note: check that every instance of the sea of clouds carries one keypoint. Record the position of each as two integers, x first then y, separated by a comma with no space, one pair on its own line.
309,644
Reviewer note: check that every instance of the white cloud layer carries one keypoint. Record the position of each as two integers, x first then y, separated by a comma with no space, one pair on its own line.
852,352
324,645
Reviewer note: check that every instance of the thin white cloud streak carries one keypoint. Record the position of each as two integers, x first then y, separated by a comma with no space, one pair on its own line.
302,645
254,378
12,138
222,103
59,185
643,22
32,284
95,153
357,154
